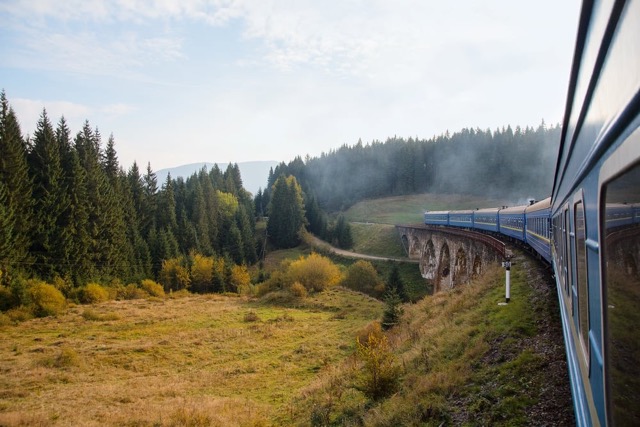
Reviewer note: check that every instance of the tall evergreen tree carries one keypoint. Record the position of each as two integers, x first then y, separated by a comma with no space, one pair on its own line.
286,213
49,239
14,173
76,216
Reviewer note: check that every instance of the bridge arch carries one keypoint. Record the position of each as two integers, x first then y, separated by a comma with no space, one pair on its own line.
460,274
429,261
449,257
444,268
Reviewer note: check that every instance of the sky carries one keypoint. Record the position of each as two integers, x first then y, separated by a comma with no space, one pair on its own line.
189,81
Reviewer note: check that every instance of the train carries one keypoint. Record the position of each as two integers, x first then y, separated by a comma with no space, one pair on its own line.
588,230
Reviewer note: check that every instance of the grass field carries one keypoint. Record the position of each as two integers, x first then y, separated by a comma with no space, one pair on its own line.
198,360
410,209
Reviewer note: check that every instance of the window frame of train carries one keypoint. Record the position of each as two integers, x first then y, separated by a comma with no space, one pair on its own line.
622,372
581,282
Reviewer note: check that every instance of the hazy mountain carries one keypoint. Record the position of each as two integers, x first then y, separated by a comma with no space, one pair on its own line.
254,174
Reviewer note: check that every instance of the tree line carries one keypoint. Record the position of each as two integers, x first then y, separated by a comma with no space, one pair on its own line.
505,163
68,210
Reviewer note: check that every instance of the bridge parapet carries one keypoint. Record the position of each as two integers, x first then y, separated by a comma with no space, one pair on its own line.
450,256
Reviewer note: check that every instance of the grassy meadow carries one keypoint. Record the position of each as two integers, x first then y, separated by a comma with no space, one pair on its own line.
457,358
197,360
410,209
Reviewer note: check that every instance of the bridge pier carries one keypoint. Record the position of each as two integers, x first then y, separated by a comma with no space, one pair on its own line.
449,257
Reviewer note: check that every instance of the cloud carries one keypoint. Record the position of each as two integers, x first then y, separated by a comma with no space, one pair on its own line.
30,110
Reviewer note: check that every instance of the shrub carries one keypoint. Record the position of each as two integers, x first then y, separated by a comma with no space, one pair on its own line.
131,291
240,279
174,276
201,273
46,300
363,277
93,293
315,272
20,314
152,288
298,290
381,371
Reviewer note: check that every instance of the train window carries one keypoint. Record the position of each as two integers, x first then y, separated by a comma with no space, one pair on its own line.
581,276
621,256
567,249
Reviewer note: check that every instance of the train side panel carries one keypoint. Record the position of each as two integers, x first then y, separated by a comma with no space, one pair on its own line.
436,217
512,222
486,219
538,228
462,218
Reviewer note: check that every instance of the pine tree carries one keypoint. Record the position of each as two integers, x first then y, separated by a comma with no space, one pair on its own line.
14,173
50,234
149,202
394,281
109,249
286,213
393,309
79,268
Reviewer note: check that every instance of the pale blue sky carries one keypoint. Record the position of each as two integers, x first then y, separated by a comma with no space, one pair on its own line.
186,81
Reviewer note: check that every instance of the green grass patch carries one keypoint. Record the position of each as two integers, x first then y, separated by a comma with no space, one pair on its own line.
377,239
410,209
465,361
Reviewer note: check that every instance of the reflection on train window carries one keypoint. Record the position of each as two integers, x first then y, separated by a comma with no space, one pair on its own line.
581,273
622,259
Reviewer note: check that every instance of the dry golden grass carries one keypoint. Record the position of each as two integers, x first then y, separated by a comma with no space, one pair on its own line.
189,361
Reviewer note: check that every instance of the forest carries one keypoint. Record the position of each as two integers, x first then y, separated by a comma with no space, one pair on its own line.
69,211
516,165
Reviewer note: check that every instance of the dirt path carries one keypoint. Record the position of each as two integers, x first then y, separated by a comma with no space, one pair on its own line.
321,244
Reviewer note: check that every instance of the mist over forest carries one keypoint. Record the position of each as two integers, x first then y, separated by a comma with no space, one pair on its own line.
512,164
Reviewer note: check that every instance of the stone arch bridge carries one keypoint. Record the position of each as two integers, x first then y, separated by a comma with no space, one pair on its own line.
450,256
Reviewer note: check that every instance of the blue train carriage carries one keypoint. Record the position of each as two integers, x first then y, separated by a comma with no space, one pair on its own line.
462,218
486,219
436,217
538,227
595,251
511,222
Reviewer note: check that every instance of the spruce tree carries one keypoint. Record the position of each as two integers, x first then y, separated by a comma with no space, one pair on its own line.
286,213
394,281
393,309
14,173
50,234
76,216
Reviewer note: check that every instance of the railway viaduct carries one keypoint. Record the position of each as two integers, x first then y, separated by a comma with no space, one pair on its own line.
449,256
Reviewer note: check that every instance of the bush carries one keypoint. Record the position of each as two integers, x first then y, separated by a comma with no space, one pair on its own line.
46,300
131,291
152,288
298,291
363,277
20,314
93,293
381,372
315,272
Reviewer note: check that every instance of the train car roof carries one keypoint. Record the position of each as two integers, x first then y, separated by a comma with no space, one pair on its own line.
538,206
514,210
487,210
463,211
436,212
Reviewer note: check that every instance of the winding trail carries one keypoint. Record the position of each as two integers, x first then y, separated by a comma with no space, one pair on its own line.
318,243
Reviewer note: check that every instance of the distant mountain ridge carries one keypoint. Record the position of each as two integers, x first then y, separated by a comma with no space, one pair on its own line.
254,174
